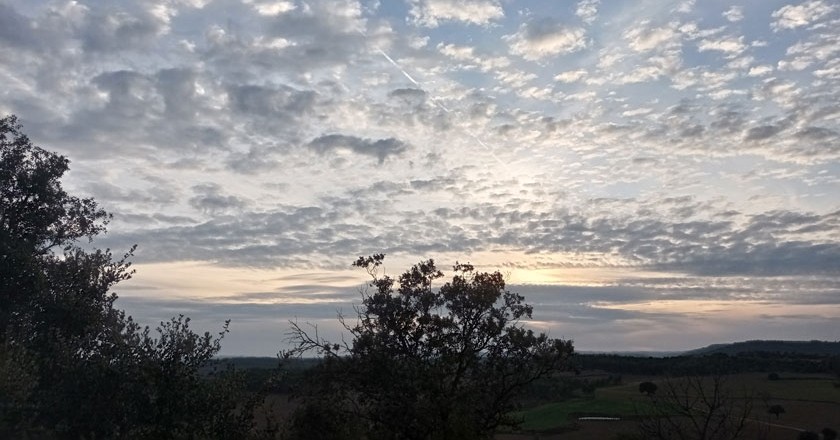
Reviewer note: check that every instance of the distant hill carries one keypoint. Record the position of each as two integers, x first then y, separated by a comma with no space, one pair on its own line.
823,348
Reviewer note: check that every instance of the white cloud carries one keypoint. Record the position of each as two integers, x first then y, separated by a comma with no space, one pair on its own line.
799,63
431,13
643,38
761,70
545,37
570,76
271,7
734,14
790,17
587,10
729,45
636,112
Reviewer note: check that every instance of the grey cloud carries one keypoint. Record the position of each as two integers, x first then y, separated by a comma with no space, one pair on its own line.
322,34
209,198
412,97
380,149
17,30
255,160
129,93
115,30
152,219
283,102
177,87
771,244
763,132
816,133
105,192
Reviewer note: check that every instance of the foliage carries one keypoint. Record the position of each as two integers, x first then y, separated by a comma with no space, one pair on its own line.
696,408
648,388
433,363
71,364
776,410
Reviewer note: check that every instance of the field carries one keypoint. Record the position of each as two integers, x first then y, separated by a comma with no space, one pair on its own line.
811,402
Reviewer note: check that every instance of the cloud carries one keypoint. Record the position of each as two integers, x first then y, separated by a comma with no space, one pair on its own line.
258,134
791,17
761,70
734,14
587,10
210,199
431,13
729,45
570,76
275,102
120,30
643,37
380,149
271,7
545,37
17,30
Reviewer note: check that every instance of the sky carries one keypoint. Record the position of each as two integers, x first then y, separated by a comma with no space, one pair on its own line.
651,175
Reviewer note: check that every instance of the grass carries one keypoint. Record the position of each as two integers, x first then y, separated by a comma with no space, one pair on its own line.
563,414
621,401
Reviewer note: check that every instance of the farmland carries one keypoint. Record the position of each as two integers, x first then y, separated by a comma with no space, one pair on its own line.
811,402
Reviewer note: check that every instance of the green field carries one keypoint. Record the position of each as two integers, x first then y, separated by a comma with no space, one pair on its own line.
563,414
622,400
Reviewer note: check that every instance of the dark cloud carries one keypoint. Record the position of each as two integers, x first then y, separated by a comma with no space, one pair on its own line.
411,97
116,30
380,149
762,132
17,30
283,103
816,133
210,199
177,87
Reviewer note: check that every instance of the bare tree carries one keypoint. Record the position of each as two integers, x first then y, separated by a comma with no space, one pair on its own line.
695,408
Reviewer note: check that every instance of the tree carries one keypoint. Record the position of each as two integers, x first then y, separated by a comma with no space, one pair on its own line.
71,363
430,362
696,408
648,388
829,434
776,410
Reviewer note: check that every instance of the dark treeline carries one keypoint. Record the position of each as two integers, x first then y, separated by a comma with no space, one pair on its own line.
746,362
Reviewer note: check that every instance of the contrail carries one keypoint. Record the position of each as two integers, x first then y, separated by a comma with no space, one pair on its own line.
436,101
398,67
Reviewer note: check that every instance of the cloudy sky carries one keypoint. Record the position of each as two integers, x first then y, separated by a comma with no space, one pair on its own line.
652,175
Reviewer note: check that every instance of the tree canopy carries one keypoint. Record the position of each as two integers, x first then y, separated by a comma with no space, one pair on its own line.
429,362
72,365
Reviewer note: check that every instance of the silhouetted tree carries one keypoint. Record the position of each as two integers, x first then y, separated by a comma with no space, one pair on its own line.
71,364
648,388
430,362
829,434
776,410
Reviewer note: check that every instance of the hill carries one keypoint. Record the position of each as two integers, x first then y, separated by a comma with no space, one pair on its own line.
818,348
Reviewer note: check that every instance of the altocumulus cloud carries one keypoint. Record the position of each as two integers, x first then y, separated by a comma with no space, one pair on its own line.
684,152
